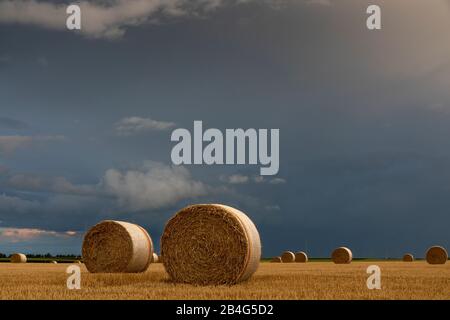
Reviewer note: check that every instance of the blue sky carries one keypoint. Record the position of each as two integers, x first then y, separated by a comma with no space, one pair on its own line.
364,119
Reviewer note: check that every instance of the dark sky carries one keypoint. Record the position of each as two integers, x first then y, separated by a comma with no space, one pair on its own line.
364,119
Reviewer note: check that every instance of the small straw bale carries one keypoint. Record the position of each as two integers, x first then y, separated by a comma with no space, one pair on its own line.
408,257
276,259
210,244
117,247
288,256
77,261
342,255
155,258
54,262
18,258
301,257
437,255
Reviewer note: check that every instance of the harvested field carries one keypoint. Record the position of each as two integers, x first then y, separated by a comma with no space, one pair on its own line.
315,280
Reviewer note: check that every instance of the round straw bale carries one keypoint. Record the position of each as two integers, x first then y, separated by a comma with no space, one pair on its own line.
301,257
342,255
408,257
54,262
288,256
210,244
276,259
18,258
116,246
437,255
155,258
77,261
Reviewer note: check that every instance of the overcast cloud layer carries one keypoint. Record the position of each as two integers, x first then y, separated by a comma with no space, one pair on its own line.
364,119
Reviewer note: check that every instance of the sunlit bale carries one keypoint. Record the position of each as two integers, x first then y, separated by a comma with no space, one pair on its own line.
116,246
436,255
301,257
287,257
210,244
18,258
342,255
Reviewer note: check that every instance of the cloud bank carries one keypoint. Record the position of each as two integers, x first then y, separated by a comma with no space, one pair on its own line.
110,18
26,234
9,144
152,187
148,187
135,125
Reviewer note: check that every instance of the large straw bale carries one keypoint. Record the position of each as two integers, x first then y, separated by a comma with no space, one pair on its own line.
117,246
210,244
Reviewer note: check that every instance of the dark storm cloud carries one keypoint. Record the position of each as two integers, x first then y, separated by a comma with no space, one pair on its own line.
9,123
364,121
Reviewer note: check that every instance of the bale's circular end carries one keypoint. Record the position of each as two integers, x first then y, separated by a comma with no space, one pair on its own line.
437,255
342,255
18,258
155,258
288,256
301,257
210,244
116,246
408,257
276,259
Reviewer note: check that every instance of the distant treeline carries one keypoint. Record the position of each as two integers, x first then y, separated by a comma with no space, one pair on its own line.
47,256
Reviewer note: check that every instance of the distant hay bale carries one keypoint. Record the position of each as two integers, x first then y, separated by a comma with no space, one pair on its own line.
437,255
18,258
288,256
77,261
342,255
54,262
116,246
155,258
210,244
408,257
301,257
276,259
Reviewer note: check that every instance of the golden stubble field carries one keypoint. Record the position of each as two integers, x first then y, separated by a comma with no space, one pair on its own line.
314,280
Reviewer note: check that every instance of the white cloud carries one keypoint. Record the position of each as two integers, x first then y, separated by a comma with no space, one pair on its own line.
136,125
277,181
152,186
235,179
26,234
9,144
110,18
242,179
